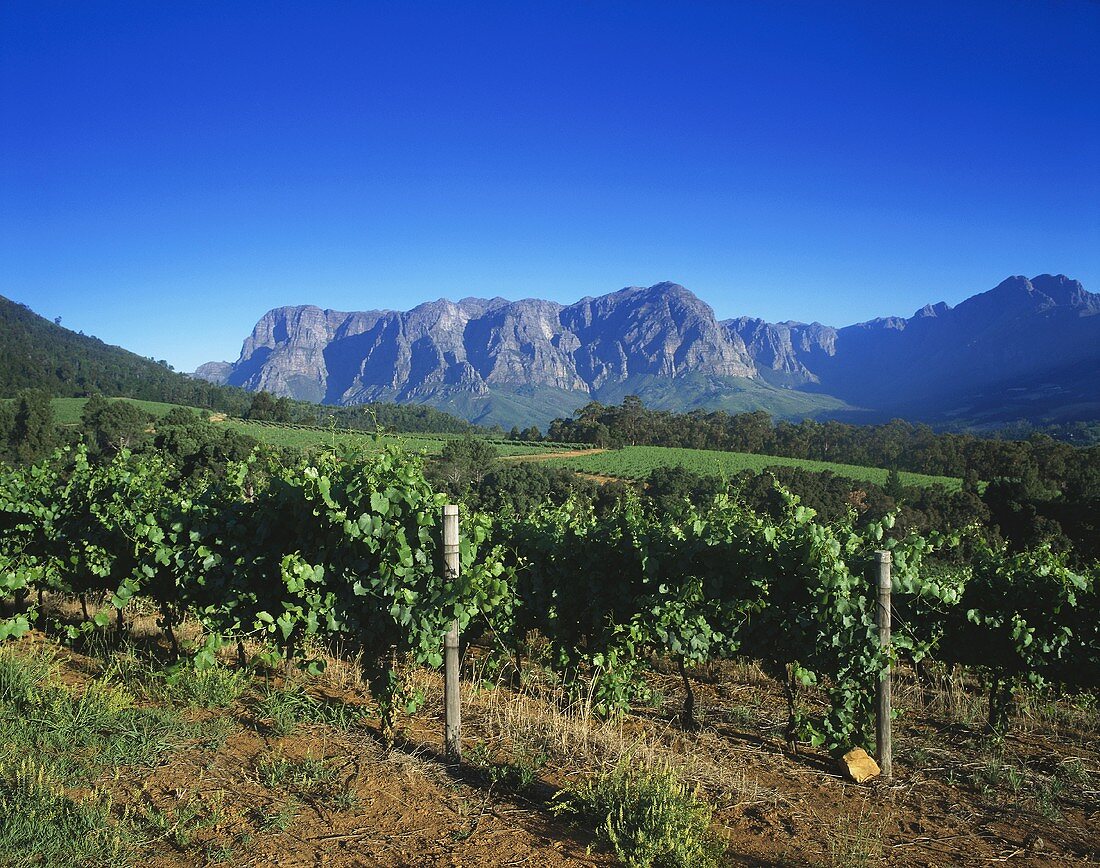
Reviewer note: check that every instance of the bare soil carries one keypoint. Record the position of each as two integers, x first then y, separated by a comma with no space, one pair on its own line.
543,456
957,797
572,453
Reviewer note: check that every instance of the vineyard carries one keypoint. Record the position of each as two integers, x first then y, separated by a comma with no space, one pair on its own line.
336,558
67,411
637,462
287,435
318,437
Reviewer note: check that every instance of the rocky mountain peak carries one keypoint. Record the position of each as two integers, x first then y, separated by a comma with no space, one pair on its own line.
664,341
932,310
1018,296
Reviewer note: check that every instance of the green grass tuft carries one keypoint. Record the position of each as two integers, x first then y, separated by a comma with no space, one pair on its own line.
79,732
648,817
288,707
40,824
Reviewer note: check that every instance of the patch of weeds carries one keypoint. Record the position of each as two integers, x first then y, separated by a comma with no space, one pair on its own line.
1074,710
214,687
741,715
288,707
517,773
41,825
344,800
855,841
310,777
278,820
81,731
1046,796
648,817
215,733
1072,771
998,776
112,731
20,677
128,669
217,853
100,644
657,699
918,757
179,823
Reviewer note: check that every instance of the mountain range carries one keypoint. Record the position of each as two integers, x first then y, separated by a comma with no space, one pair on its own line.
1027,349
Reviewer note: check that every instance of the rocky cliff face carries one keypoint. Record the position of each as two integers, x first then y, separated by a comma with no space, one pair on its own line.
543,359
780,351
474,345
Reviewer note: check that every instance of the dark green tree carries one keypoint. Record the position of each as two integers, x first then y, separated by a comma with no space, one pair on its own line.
7,422
462,466
33,432
111,426
262,408
282,411
893,487
674,490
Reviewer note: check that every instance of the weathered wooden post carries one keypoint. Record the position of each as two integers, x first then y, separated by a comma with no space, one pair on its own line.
452,726
884,746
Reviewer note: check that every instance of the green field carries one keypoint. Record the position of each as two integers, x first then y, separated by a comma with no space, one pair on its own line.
636,462
306,437
67,410
309,438
632,462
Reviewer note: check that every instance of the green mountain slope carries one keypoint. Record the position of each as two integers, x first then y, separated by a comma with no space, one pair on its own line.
37,354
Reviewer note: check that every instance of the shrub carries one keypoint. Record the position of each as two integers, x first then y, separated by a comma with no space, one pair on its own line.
648,817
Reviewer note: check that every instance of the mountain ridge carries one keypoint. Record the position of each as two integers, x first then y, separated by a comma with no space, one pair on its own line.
533,356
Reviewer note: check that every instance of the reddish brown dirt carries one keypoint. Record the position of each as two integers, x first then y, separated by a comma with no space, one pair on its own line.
408,809
572,453
948,804
543,456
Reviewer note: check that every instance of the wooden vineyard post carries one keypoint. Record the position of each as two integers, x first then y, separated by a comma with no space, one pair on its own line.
452,726
884,746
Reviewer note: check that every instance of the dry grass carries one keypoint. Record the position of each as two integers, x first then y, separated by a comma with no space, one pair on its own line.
538,720
955,787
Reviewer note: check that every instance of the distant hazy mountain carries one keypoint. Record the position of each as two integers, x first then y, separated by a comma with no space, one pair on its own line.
1027,349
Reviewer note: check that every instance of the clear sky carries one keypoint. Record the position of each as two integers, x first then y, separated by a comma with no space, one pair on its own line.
170,171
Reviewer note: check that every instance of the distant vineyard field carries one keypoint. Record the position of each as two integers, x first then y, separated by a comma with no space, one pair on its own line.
312,437
637,462
67,410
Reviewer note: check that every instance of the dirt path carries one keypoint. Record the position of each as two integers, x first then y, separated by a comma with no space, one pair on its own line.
571,453
543,456
215,800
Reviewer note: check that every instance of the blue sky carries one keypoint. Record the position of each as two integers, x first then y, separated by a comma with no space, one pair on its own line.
170,171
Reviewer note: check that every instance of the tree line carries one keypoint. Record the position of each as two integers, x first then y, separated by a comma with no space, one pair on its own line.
896,444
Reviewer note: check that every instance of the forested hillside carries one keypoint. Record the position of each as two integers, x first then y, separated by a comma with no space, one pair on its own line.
38,354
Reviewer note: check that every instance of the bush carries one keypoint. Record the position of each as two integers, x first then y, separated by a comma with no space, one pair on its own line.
289,706
216,687
648,817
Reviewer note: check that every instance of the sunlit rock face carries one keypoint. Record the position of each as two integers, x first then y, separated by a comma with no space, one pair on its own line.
661,331
1025,349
